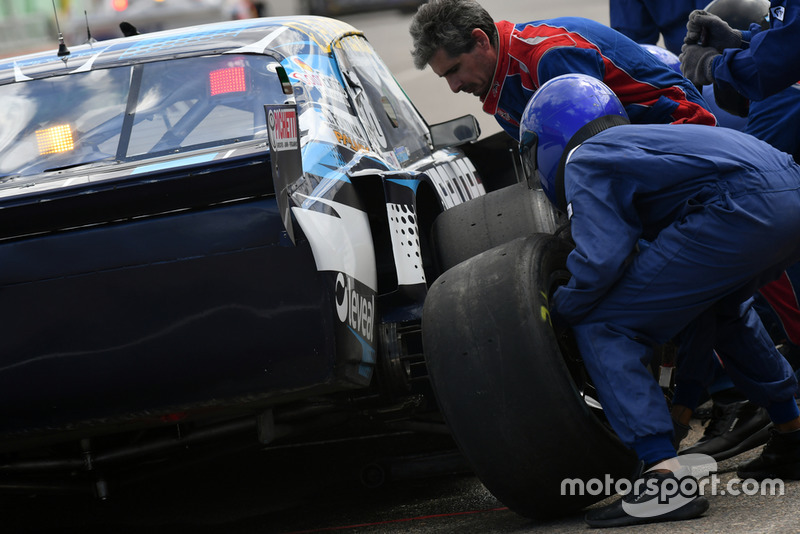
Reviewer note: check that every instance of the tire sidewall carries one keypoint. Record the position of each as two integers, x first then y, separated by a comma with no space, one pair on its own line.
503,386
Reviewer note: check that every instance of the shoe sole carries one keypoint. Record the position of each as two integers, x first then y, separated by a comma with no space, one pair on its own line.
692,509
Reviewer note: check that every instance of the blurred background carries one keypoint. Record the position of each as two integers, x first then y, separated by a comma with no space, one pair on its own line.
30,25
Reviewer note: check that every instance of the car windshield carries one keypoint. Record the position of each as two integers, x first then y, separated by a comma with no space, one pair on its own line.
134,112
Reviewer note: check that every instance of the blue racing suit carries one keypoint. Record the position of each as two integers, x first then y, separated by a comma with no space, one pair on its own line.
769,60
720,210
776,120
529,54
644,20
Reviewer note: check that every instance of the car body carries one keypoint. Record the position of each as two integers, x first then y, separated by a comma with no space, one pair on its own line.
219,227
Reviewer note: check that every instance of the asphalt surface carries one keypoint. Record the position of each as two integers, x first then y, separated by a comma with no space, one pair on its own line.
320,489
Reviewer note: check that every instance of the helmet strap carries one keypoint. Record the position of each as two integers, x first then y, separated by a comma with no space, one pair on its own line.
588,130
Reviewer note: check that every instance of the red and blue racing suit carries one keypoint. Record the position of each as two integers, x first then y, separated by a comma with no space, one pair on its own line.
531,53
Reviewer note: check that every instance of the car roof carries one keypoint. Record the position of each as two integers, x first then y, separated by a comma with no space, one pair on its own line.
281,36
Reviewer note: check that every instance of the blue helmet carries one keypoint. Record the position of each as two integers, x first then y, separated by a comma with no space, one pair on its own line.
667,57
564,112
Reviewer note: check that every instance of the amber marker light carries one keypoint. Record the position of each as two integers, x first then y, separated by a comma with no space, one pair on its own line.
55,139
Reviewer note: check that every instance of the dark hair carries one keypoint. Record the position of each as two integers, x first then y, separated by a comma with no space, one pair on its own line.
448,24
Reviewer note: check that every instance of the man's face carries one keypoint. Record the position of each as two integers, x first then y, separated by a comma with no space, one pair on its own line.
471,72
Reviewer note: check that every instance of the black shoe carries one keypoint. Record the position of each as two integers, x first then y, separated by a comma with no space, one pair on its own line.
680,431
734,428
647,503
779,459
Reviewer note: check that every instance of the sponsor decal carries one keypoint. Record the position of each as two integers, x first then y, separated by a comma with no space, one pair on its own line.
327,86
343,122
353,308
282,124
346,140
777,13
506,116
316,79
401,153
302,64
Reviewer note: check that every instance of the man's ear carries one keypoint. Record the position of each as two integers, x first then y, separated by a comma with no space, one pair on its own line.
481,39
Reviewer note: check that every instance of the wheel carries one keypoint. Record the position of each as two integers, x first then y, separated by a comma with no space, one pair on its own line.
514,394
484,222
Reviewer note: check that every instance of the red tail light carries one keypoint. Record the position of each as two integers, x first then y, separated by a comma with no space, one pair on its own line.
228,80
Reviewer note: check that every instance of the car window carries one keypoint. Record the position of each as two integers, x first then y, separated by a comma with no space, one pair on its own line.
393,125
134,112
46,121
202,101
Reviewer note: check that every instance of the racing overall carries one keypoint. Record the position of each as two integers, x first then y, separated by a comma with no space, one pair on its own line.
769,60
675,228
644,20
776,120
531,53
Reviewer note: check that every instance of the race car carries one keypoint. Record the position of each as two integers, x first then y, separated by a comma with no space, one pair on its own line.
228,232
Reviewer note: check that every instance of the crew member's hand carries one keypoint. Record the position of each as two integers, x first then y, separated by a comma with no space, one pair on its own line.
697,64
709,30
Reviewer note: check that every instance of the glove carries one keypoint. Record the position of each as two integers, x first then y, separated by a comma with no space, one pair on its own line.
697,63
709,30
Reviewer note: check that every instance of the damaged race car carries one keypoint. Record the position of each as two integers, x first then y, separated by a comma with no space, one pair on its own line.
228,232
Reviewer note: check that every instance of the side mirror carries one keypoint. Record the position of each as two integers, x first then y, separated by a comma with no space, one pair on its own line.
455,132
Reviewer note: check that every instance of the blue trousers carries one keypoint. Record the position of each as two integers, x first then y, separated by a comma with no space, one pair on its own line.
695,282
644,20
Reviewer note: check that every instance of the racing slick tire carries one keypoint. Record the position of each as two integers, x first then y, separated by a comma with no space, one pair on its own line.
512,391
479,224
